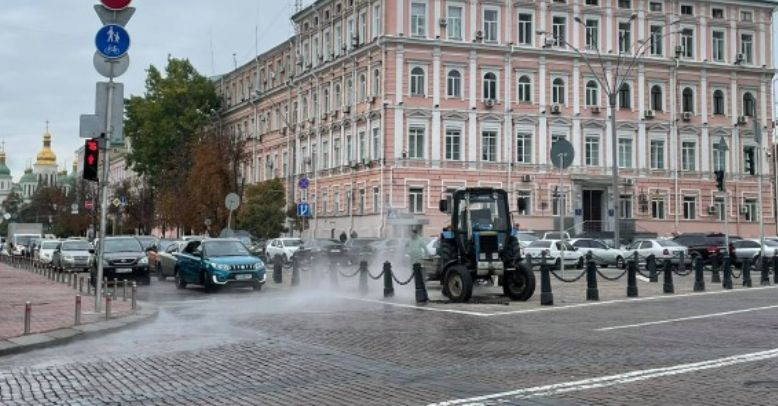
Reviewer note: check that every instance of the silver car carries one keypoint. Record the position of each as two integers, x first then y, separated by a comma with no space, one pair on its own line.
73,254
601,253
750,248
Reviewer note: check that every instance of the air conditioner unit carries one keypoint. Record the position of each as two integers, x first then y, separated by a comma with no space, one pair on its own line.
556,109
595,109
479,35
443,22
711,209
678,50
489,103
526,178
550,42
629,182
742,120
346,109
649,113
352,164
739,58
687,115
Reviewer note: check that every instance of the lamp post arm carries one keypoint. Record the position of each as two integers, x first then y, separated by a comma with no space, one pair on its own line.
591,69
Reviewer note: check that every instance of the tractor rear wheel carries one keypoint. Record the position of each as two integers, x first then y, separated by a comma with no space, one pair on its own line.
519,284
459,284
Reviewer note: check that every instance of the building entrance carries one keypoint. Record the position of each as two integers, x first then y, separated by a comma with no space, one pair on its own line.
592,210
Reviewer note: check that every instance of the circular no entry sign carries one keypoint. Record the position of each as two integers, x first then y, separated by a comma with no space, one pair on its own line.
115,4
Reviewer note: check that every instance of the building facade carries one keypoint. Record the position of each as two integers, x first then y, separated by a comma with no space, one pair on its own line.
388,106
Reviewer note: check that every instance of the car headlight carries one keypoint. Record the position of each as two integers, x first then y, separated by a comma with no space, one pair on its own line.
105,262
68,258
259,266
143,261
221,267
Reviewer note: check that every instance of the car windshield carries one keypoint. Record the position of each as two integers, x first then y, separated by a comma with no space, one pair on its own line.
668,243
540,244
24,239
770,243
526,237
50,245
567,245
225,249
146,242
292,243
122,245
162,245
76,246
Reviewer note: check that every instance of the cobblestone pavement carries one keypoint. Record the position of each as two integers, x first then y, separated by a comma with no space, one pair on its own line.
316,345
53,303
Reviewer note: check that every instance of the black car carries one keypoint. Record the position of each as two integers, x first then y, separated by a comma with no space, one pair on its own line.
359,249
313,251
124,258
704,245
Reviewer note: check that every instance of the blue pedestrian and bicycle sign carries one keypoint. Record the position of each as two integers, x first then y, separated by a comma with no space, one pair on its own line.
112,41
303,210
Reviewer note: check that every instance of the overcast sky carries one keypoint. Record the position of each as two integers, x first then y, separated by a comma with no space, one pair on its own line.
46,49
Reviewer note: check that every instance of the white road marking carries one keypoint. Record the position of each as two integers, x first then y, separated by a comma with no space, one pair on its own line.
642,278
611,380
417,307
702,316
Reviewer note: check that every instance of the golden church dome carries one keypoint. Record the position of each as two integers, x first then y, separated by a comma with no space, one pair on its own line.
46,156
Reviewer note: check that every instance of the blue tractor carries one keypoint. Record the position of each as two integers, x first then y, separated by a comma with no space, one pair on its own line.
479,243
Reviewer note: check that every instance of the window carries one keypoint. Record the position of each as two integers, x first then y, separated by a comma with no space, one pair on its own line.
625,152
453,144
718,102
349,201
325,154
625,37
362,87
687,100
559,199
658,208
376,143
718,203
559,26
719,158
657,154
717,13
337,102
656,40
336,201
524,147
688,156
490,25
592,34
624,96
592,151
490,86
417,82
416,200
324,197
656,98
454,84
418,19
687,41
525,89
416,143
350,36
625,207
558,91
349,92
376,20
362,145
525,29
687,9
376,199
375,86
489,146
349,149
747,48
361,201
746,16
749,160
524,199
592,2
338,40
655,6
336,155
625,4
748,105
718,46
454,23
751,214
592,98
689,207
326,96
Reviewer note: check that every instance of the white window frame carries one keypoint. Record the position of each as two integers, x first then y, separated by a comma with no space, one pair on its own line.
496,85
595,100
417,207
375,142
458,151
377,17
519,32
713,103
423,79
565,35
420,155
597,42
496,152
627,44
526,146
741,49
592,158
519,91
450,22
563,102
685,162
683,42
495,40
448,84
723,56
631,155
418,27
661,158
689,215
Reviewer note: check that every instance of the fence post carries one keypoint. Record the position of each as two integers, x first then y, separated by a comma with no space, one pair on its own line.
682,262
421,289
78,310
363,278
668,277
278,268
699,280
27,317
651,265
543,258
592,293
716,262
388,283
632,277
546,296
134,297
295,271
80,284
726,283
746,273
124,290
108,306
775,267
764,269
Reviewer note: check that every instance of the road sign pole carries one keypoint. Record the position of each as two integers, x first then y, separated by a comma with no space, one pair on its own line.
559,205
104,194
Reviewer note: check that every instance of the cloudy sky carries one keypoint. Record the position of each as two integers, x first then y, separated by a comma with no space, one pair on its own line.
46,49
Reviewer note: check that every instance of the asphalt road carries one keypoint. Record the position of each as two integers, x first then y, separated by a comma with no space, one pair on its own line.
317,345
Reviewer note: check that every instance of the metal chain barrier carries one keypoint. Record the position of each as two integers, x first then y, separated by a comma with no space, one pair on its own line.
347,275
612,279
377,277
566,280
410,278
738,275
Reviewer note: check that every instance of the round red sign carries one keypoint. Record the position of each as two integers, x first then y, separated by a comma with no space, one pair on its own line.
115,4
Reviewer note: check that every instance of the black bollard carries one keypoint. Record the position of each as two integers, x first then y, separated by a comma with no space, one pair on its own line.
421,290
651,265
546,296
775,267
388,283
295,272
764,268
278,271
726,282
699,280
592,293
682,262
363,278
632,278
668,277
716,263
746,273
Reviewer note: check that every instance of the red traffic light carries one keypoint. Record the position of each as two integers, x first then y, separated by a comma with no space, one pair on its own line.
91,145
91,159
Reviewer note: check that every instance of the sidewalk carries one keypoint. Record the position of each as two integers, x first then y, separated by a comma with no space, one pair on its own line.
53,303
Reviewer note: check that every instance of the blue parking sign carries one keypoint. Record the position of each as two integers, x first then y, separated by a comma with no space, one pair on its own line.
303,210
112,41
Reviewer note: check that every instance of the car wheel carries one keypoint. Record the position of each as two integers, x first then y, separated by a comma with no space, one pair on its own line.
580,263
558,263
459,284
180,282
257,286
519,284
620,262
210,287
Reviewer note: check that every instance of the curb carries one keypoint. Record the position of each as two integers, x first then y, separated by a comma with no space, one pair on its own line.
16,345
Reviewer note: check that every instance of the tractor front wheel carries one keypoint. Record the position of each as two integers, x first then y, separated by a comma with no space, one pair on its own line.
519,284
459,284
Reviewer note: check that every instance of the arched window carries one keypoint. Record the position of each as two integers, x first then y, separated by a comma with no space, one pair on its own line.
558,91
592,97
326,96
687,100
417,82
718,102
337,101
454,84
656,98
490,86
362,87
349,92
624,96
376,82
525,89
748,105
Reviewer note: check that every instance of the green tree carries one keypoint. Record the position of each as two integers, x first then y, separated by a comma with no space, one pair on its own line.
262,212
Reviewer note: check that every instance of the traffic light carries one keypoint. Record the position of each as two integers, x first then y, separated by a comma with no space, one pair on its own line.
91,159
719,180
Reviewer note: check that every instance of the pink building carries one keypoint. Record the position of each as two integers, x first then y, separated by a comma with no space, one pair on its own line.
388,106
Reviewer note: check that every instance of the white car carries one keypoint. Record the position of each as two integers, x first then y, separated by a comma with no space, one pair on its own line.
282,248
432,246
46,251
553,250
525,239
660,249
750,248
602,254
